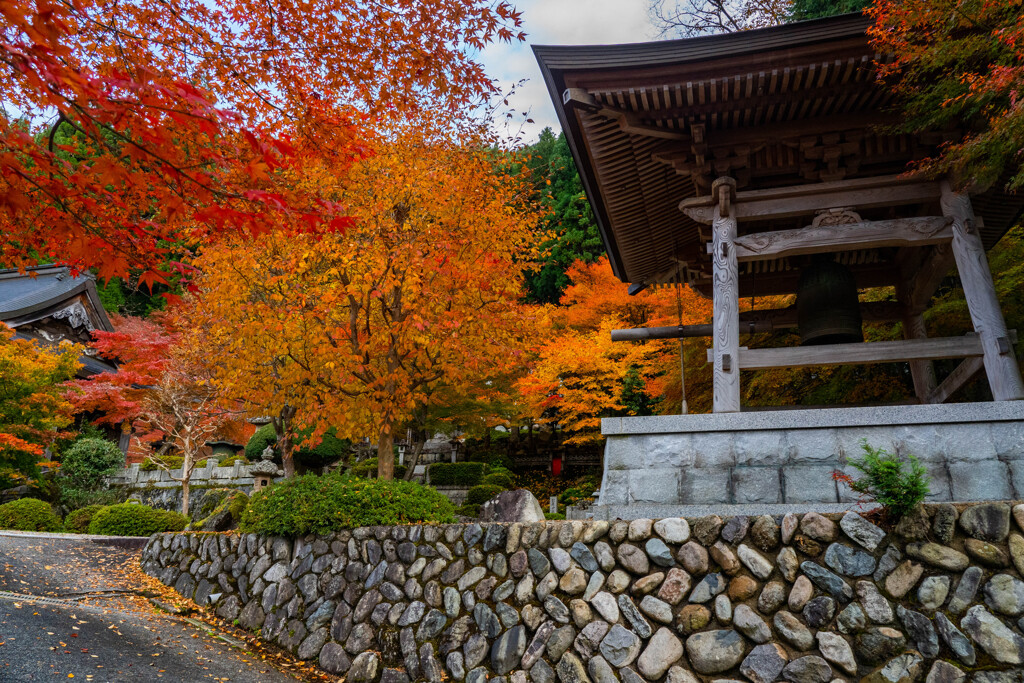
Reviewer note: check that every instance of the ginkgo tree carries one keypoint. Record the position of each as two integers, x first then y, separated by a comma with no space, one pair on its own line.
186,117
355,329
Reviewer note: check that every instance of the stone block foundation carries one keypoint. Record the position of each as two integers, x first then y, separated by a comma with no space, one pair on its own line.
973,451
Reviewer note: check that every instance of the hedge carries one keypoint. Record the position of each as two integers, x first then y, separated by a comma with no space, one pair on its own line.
29,514
321,504
481,494
77,522
457,473
133,519
367,469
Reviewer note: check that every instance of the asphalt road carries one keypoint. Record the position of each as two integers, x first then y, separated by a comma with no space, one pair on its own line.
50,634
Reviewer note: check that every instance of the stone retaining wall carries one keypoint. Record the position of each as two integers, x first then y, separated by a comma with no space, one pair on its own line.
806,599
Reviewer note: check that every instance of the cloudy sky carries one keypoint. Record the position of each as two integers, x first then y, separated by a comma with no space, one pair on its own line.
560,22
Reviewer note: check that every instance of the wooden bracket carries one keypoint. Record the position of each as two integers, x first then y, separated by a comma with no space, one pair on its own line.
724,192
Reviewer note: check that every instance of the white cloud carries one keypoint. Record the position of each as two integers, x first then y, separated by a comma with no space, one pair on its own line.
560,22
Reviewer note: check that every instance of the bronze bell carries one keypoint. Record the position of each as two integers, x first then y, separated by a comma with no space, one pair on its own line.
827,308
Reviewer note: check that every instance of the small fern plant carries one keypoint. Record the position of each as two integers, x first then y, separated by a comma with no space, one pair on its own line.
900,484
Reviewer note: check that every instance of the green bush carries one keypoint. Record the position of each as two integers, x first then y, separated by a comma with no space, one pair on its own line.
133,519
258,442
321,504
900,485
554,515
468,510
77,522
457,473
482,493
367,469
502,478
330,450
230,460
170,461
29,514
82,471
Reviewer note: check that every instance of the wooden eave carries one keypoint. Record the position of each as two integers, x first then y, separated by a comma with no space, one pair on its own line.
651,124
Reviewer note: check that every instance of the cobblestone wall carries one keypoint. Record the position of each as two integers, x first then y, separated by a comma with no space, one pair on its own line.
805,599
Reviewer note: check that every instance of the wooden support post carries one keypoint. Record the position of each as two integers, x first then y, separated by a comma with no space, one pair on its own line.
982,303
922,371
725,275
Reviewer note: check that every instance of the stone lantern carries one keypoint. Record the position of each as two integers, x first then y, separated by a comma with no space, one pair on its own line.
264,471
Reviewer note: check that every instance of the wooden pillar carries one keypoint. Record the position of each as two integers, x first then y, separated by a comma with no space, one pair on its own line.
976,278
725,282
923,371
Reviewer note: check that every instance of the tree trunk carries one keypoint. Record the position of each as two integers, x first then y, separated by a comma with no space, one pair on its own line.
386,454
414,459
531,444
186,482
282,425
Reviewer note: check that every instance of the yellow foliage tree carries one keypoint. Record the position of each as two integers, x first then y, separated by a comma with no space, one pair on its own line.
354,330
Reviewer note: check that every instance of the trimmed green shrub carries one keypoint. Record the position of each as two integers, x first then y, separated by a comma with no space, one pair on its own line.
457,473
329,451
900,485
502,478
82,471
133,519
367,469
482,493
258,442
321,504
77,522
170,461
29,514
554,515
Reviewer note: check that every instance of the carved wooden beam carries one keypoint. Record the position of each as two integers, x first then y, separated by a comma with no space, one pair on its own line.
802,200
628,121
898,232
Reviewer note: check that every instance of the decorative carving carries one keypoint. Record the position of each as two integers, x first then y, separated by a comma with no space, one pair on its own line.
75,314
840,216
726,319
816,239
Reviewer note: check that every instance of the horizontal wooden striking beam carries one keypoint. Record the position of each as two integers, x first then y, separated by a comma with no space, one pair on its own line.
803,200
856,354
786,282
968,369
899,232
769,320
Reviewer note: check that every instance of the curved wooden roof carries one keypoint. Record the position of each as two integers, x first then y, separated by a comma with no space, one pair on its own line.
652,124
